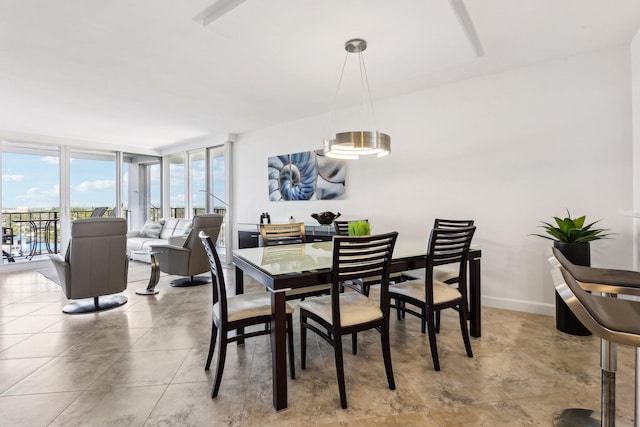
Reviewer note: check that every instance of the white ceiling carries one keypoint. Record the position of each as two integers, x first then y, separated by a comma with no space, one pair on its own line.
144,73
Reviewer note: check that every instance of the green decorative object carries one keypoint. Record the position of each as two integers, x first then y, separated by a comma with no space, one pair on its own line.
359,228
572,230
571,237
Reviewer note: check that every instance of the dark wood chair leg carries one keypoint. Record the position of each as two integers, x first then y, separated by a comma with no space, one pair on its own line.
386,354
432,339
303,341
437,321
337,347
354,343
398,310
222,354
424,319
292,363
465,331
212,346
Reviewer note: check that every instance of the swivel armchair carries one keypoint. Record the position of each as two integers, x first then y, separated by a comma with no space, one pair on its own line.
189,259
95,265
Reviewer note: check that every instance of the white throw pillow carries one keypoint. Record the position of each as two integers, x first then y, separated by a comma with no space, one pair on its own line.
187,230
151,230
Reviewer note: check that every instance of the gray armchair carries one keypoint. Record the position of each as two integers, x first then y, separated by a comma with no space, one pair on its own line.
190,258
95,265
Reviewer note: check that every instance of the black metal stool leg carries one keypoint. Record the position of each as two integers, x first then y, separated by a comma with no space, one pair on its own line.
579,417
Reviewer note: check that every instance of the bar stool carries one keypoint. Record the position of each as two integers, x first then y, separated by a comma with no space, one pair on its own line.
614,320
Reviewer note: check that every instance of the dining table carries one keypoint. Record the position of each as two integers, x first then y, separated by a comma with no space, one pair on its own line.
282,268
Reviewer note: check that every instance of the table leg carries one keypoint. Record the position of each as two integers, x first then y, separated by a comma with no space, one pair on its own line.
153,279
239,291
278,349
474,297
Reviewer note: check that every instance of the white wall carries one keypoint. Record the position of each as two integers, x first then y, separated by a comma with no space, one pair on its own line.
507,150
635,96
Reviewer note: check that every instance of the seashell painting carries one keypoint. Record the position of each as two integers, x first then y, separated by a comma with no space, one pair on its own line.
305,176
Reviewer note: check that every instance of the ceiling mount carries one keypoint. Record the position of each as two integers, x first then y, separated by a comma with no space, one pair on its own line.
355,46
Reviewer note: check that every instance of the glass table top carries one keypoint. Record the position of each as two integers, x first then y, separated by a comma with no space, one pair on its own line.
286,259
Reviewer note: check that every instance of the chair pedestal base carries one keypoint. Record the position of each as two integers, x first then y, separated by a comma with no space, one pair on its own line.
90,305
578,417
190,281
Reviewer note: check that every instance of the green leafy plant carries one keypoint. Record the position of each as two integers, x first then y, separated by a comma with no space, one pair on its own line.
572,230
359,228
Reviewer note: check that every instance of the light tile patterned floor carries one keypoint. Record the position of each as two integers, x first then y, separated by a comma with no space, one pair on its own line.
142,365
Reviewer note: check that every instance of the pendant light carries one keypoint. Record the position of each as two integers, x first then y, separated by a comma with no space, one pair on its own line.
353,144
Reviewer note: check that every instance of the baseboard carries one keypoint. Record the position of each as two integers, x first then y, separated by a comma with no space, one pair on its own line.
519,305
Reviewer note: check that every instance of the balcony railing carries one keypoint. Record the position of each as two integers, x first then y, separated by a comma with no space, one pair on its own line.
29,234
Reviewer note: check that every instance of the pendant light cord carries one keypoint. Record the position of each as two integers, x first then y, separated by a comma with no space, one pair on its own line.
365,93
365,80
335,98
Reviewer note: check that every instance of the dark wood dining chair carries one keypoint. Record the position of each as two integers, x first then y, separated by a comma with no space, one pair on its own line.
237,312
342,227
288,234
340,314
363,285
282,234
444,275
428,296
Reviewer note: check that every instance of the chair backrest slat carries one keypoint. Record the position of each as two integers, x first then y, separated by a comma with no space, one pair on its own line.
342,227
448,246
360,257
452,223
279,234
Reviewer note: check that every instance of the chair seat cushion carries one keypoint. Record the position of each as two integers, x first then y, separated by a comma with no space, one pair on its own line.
245,306
355,308
442,275
442,293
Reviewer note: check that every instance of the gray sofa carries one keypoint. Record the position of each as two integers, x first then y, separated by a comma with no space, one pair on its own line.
173,232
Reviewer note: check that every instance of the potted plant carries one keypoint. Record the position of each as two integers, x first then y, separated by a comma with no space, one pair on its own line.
359,228
571,237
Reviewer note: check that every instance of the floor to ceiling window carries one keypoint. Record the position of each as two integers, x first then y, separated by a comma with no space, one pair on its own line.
198,181
141,189
45,187
30,201
217,189
177,198
92,182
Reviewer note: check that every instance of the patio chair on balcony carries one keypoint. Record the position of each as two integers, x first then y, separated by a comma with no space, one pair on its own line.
7,241
99,211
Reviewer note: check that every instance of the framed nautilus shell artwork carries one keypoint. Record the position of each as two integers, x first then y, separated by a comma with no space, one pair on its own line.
305,176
